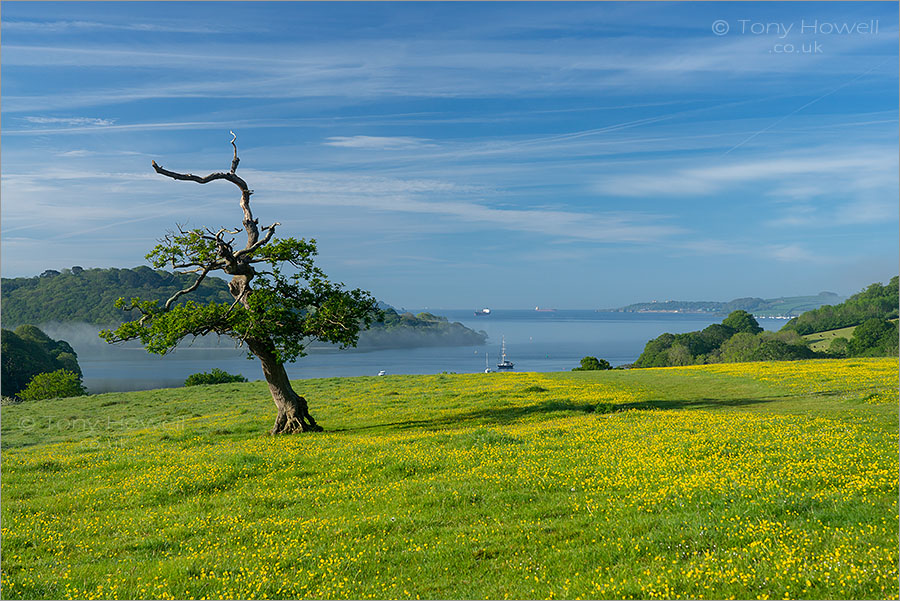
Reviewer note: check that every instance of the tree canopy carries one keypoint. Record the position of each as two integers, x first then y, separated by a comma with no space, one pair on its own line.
741,321
738,338
592,364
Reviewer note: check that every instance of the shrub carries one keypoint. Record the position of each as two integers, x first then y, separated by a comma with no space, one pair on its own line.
215,376
592,363
874,338
741,321
839,347
61,383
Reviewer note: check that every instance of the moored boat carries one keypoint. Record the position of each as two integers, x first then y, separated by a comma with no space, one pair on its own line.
504,363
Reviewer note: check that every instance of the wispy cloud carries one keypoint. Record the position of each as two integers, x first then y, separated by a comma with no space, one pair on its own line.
448,200
378,142
795,253
73,121
859,167
59,26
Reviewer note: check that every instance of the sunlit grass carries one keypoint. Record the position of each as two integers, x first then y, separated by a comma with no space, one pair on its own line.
751,480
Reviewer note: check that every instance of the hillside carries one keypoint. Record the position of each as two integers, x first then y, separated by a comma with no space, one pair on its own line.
875,302
26,352
89,296
749,480
773,307
820,341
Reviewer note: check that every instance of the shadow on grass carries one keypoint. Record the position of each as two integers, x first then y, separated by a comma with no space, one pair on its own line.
509,415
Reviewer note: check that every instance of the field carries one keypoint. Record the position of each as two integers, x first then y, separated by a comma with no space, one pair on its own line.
821,340
763,480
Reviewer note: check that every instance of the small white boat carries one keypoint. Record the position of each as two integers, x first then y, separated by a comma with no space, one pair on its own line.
382,373
504,363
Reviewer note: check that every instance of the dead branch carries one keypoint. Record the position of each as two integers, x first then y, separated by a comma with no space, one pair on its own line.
190,289
270,231
250,224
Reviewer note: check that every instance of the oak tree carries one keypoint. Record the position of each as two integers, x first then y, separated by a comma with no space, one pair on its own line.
276,312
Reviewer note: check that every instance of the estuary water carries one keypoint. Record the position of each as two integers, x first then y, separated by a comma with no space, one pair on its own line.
535,341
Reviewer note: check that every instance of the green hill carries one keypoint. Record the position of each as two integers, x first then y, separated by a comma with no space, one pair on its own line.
768,480
876,301
26,352
89,296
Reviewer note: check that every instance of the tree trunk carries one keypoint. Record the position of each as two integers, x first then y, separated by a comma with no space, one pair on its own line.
293,411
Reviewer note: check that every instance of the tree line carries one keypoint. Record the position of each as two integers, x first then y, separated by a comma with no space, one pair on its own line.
876,301
740,338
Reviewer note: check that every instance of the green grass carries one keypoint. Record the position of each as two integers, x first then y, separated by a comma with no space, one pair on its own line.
678,482
821,340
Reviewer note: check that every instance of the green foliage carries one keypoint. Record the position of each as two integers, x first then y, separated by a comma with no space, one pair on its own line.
215,376
27,352
839,347
656,352
741,321
57,384
773,349
876,301
874,338
592,363
716,334
284,312
738,338
89,295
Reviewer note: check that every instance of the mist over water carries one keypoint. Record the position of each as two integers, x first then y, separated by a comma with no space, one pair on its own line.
535,341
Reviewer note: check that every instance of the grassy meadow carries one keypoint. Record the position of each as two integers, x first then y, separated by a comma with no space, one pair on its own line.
762,480
820,341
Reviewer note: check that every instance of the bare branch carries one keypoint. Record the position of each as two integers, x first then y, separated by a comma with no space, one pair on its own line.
250,224
235,160
270,231
193,287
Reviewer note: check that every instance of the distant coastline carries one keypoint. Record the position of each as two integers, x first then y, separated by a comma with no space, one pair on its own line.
780,308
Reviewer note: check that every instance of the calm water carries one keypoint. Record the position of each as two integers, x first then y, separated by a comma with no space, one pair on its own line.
535,341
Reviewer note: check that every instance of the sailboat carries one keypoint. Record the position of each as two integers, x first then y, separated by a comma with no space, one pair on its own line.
504,362
487,368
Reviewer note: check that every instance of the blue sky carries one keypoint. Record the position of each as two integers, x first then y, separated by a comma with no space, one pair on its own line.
456,155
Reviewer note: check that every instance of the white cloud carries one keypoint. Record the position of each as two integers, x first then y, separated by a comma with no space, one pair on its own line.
74,121
378,142
798,176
